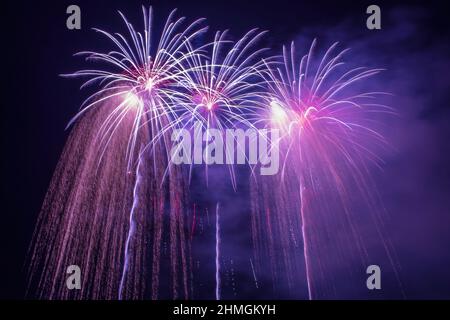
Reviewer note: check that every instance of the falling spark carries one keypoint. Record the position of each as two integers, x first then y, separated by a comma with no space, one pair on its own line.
254,274
132,227
305,244
217,253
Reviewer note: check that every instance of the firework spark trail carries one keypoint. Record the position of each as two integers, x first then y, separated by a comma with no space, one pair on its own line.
273,215
132,227
179,232
194,222
305,243
217,253
83,216
96,211
254,274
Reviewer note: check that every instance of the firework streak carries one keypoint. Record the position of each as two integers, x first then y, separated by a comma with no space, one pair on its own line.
217,253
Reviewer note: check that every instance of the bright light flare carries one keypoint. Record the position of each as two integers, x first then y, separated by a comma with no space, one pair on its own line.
203,101
133,100
210,106
150,84
278,114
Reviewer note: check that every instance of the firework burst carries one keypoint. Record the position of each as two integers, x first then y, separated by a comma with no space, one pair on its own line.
223,87
322,99
327,135
141,78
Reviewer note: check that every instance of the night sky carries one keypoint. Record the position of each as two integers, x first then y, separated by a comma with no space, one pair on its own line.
413,45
